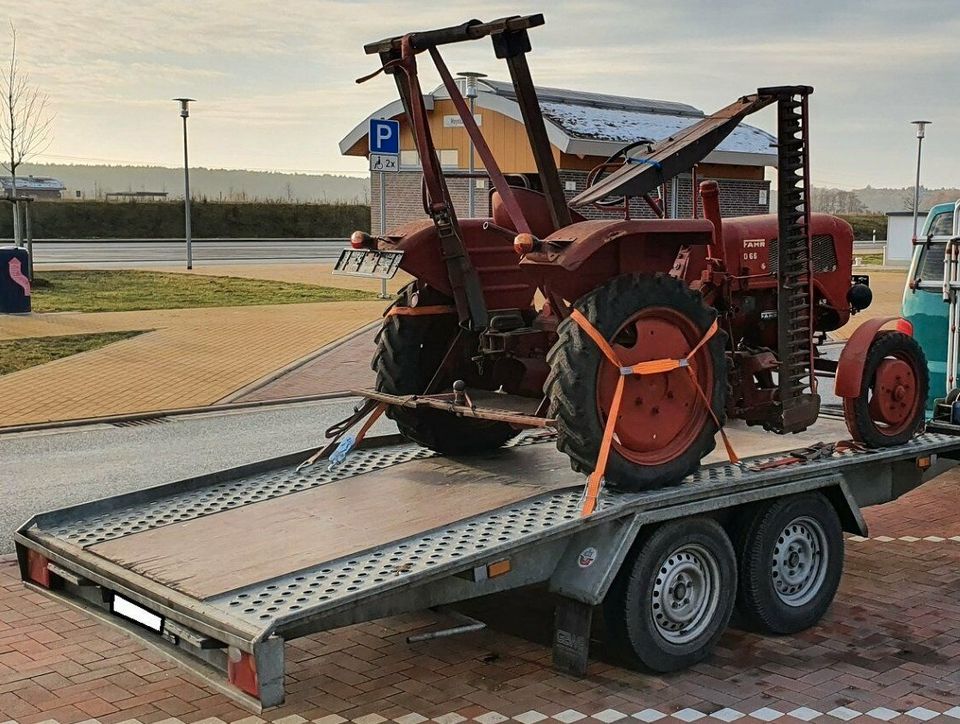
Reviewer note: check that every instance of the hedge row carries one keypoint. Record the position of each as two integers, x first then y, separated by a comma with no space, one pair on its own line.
146,220
865,224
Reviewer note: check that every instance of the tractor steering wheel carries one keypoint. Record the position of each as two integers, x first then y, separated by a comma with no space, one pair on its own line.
616,159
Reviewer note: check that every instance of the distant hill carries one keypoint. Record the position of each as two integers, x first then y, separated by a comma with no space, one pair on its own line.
93,181
878,200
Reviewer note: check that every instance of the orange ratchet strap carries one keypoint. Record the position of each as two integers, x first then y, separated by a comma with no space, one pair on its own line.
651,367
333,449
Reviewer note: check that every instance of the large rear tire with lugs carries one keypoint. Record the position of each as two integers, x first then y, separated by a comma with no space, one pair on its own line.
664,427
409,352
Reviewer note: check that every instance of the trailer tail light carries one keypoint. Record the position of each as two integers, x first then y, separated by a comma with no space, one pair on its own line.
902,325
37,569
242,671
924,462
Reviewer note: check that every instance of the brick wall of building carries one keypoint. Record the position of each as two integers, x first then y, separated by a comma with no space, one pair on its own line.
404,199
737,197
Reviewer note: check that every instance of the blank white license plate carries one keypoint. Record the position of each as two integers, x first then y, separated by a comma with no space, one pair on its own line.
131,611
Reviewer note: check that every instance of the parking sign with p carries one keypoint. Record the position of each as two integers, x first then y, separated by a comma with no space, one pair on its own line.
384,136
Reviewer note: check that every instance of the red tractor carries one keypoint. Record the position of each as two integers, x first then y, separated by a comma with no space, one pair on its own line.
647,331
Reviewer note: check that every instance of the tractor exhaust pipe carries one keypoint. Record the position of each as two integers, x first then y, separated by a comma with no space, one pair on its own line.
710,198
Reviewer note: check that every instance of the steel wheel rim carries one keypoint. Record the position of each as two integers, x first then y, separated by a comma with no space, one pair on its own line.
799,564
672,392
894,394
686,593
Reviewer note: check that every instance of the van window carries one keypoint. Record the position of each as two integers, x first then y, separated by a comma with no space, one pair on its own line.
942,224
930,266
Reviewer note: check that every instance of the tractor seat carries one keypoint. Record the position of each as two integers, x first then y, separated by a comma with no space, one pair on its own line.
535,210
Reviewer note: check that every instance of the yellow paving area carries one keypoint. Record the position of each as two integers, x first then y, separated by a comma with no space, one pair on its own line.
193,357
887,286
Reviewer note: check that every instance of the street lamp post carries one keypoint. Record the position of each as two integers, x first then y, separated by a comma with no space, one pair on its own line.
921,126
184,114
471,93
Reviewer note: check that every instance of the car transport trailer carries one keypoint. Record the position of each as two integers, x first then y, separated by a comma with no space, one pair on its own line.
220,570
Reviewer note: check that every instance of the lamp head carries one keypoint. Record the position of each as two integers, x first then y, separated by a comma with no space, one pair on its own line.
470,90
921,125
184,108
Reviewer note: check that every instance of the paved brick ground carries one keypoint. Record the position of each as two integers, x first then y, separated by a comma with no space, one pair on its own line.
193,357
890,646
345,367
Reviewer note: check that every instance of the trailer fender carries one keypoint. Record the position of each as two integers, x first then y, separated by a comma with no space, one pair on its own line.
854,356
844,502
592,559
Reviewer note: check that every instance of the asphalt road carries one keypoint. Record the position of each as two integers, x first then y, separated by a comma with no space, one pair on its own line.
42,471
168,251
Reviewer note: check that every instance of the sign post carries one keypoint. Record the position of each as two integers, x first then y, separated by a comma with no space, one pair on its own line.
384,140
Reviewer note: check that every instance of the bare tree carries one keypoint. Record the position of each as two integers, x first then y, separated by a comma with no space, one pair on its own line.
26,122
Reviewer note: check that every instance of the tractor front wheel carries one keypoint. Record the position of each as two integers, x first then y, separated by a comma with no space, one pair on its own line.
409,352
663,427
893,392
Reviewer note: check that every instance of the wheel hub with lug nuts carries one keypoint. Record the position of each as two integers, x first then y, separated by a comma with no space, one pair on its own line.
799,563
685,594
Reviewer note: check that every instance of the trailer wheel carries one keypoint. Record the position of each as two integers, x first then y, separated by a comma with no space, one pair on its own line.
409,352
892,402
790,562
673,597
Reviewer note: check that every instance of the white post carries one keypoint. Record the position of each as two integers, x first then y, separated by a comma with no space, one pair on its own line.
28,224
383,226
471,91
471,182
187,235
921,125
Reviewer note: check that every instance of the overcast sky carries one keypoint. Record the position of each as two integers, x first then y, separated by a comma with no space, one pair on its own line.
275,90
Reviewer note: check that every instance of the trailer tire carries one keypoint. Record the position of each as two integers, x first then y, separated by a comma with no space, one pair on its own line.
690,561
790,559
409,351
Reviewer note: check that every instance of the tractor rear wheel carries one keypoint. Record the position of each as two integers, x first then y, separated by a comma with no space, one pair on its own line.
409,352
663,426
893,392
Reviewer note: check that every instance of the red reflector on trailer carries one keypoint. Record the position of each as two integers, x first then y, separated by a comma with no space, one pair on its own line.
242,672
904,326
37,570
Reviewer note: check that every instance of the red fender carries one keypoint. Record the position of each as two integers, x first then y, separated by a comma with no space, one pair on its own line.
854,356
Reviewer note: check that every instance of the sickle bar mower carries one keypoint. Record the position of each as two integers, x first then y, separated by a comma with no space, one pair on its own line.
633,338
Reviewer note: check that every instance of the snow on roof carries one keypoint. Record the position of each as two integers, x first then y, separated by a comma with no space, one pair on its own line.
625,126
600,100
